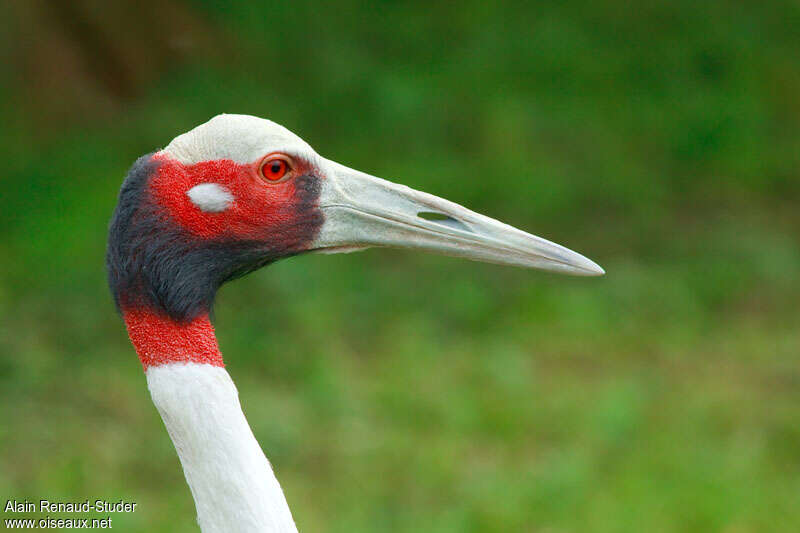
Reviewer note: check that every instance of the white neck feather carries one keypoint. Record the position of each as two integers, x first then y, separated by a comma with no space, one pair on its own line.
232,482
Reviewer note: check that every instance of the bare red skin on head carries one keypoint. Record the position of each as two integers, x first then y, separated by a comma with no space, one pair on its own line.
159,340
259,210
258,205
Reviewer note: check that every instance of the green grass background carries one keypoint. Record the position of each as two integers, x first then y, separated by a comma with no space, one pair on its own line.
394,391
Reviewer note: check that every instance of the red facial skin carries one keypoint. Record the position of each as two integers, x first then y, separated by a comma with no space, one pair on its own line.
262,210
258,207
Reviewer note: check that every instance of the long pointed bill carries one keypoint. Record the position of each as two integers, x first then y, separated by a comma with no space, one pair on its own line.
362,211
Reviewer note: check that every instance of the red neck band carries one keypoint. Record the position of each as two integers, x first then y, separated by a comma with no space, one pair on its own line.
159,340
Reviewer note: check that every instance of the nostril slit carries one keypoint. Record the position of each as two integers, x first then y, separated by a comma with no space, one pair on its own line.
444,220
436,217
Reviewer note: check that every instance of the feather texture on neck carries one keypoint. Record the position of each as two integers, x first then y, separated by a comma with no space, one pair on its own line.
233,485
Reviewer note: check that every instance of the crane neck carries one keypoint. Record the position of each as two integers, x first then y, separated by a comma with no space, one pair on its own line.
159,339
232,483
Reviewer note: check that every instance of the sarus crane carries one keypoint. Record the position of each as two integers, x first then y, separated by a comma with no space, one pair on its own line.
222,200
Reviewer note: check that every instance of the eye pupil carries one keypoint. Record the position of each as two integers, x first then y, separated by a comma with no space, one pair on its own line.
276,167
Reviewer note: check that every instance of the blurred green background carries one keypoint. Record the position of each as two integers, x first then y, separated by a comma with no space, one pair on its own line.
396,391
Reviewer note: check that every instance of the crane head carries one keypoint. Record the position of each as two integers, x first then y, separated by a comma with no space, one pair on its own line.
239,192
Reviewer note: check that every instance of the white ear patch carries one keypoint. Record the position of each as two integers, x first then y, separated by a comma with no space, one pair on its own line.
210,197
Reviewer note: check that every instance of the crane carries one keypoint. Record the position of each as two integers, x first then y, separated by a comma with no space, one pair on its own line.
222,200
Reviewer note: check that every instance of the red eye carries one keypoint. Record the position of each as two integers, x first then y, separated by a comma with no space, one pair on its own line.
274,169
